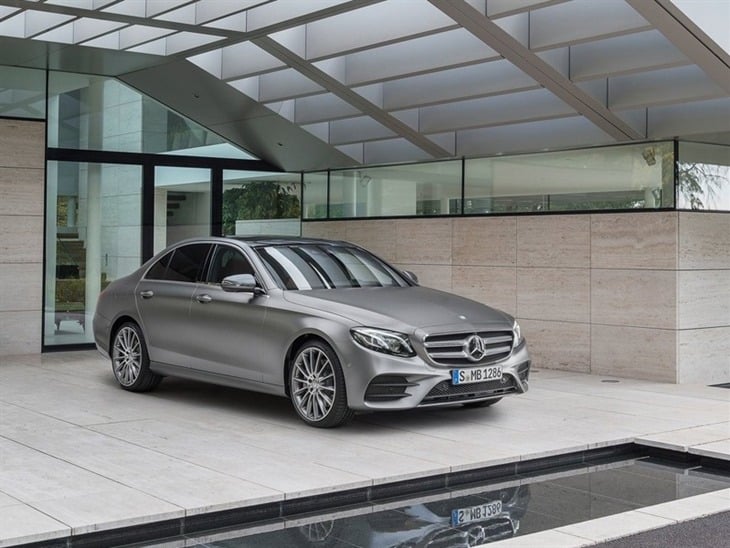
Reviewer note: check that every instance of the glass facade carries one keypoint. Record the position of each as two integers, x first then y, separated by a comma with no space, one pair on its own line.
261,203
172,179
432,188
314,195
625,177
703,177
22,92
161,184
182,204
97,113
93,236
609,178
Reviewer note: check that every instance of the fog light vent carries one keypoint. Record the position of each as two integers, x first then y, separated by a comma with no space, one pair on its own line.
387,388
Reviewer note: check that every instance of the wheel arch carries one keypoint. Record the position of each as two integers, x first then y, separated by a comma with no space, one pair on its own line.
121,320
294,347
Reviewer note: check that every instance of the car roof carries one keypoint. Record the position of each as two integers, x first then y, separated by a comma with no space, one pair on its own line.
285,240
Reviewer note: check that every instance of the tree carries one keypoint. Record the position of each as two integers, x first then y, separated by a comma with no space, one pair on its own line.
259,200
700,181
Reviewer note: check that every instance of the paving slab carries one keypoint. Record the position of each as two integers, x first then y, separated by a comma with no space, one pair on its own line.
71,441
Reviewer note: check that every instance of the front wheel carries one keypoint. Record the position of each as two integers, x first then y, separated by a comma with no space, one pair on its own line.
317,386
130,361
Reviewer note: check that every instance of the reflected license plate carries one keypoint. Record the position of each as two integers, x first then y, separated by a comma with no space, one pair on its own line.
476,374
476,513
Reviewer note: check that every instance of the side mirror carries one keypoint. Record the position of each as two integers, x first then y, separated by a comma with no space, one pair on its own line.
410,276
239,283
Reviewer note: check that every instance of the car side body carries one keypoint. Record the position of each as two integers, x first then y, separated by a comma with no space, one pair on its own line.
252,304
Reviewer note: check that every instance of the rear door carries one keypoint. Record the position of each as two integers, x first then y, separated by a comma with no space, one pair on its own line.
164,296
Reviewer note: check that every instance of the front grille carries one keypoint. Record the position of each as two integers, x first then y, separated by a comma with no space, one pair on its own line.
387,388
452,349
445,392
489,531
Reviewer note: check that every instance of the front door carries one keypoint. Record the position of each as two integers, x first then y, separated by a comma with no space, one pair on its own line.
229,324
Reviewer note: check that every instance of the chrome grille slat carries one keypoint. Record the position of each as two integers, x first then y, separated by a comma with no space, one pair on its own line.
449,348
442,355
440,344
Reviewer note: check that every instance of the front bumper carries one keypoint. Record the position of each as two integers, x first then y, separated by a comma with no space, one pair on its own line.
377,381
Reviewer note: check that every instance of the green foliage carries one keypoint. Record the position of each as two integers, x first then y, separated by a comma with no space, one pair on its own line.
259,200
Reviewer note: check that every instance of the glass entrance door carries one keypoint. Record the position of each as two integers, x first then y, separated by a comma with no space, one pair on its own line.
182,204
93,236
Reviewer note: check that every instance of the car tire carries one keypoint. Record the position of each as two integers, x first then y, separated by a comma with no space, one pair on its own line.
317,386
483,403
130,360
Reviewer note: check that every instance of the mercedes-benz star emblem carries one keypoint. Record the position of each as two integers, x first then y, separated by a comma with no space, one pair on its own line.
475,348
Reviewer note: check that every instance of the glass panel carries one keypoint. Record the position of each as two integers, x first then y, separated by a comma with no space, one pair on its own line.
22,92
182,204
93,235
187,263
96,113
416,189
621,177
227,262
159,269
261,203
305,267
315,196
703,177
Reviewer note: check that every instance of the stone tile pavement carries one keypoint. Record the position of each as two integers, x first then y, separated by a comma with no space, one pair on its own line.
78,454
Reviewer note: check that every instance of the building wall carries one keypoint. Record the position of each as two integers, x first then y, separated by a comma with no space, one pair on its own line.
611,294
22,150
704,297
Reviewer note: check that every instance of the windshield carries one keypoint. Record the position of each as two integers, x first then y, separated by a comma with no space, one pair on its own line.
311,266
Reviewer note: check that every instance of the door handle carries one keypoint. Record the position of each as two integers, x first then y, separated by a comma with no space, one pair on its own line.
204,298
147,294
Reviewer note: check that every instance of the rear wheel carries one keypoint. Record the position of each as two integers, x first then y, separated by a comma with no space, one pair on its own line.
483,403
130,361
317,386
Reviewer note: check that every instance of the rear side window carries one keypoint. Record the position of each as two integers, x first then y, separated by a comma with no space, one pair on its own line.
186,263
157,271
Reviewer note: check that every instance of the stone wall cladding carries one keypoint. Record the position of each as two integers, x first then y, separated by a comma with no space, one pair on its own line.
643,295
22,174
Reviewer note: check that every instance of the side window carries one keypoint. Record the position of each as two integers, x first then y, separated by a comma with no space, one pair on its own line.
228,261
187,263
157,272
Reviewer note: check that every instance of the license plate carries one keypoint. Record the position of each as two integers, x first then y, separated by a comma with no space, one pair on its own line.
476,513
476,374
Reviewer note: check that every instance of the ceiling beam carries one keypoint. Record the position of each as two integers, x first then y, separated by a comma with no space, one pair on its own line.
500,40
687,37
228,36
339,89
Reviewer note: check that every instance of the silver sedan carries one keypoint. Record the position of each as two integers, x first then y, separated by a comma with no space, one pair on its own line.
324,323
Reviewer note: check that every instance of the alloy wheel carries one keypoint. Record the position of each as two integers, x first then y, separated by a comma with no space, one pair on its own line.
127,355
313,384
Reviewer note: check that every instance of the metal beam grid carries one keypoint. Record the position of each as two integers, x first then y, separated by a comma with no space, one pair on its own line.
374,80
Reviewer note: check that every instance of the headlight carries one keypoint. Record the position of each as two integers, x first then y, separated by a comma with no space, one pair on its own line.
517,333
381,340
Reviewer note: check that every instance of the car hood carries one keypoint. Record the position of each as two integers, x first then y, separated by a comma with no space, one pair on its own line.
414,307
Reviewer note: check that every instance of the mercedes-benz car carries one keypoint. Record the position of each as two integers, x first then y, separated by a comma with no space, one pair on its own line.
325,323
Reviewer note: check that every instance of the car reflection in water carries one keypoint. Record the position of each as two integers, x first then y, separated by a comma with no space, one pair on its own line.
433,524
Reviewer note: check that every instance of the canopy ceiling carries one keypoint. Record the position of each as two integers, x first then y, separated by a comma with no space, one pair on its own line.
327,83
